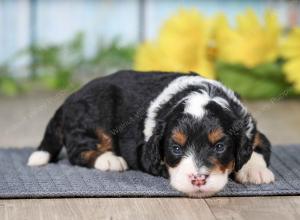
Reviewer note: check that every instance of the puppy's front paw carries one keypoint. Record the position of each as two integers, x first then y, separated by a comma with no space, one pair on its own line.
110,162
255,175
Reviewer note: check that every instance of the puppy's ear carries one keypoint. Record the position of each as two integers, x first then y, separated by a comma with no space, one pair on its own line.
244,147
151,152
262,146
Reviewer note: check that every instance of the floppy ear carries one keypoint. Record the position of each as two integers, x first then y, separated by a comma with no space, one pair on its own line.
244,147
151,153
262,146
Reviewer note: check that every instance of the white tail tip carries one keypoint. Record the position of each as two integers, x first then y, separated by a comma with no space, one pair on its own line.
38,158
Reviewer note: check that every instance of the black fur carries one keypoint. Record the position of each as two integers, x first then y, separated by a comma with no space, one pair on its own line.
264,147
118,105
151,154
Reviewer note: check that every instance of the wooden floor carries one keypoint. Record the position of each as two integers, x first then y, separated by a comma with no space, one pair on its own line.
22,122
251,208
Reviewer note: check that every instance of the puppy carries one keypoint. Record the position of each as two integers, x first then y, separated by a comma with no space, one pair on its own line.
192,130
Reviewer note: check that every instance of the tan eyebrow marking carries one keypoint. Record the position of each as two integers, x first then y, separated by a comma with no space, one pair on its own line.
215,135
179,137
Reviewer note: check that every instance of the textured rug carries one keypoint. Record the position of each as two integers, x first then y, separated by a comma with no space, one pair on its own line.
62,180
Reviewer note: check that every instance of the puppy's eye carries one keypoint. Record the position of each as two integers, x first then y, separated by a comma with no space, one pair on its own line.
219,147
177,150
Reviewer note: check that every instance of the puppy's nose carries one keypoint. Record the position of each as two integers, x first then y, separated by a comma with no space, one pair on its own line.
198,180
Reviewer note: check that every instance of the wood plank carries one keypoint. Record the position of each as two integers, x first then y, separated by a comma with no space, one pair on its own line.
295,202
106,208
255,207
2,211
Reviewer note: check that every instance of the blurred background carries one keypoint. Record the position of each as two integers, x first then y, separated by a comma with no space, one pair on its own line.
49,48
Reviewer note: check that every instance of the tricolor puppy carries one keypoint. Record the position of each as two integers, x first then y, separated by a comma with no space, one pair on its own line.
189,129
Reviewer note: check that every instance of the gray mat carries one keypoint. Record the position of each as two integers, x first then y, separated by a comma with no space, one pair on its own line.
62,180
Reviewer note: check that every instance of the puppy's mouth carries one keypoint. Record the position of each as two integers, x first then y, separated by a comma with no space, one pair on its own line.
197,182
201,185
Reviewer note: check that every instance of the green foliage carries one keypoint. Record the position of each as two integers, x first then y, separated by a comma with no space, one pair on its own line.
57,67
263,81
54,65
113,54
60,66
9,86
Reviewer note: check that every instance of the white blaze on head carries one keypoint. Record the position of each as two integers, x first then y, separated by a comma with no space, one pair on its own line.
195,104
177,85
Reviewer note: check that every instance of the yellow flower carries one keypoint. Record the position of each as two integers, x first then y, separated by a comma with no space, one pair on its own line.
291,51
183,45
250,43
